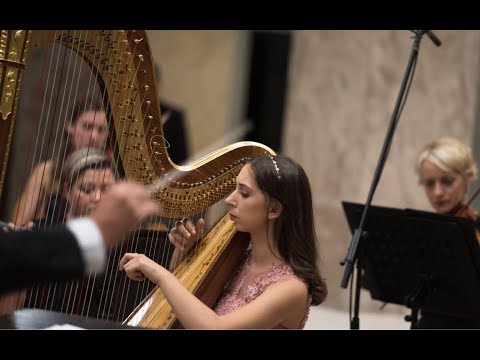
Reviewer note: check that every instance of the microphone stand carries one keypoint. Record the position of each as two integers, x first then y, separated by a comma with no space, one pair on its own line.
351,257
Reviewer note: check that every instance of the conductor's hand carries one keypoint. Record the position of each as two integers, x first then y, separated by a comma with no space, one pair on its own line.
184,234
120,209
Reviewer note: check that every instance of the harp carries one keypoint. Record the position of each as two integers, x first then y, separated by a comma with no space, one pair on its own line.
121,64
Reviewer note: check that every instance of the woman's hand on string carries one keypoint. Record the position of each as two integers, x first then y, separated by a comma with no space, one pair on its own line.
185,234
139,266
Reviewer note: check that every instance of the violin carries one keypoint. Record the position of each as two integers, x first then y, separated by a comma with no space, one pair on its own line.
467,212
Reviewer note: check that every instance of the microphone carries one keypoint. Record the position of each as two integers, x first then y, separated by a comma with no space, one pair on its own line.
433,37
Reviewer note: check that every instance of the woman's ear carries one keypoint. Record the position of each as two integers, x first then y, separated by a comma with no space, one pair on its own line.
65,189
275,210
70,128
469,176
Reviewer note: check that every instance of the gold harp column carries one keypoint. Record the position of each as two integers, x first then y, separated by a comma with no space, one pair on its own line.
13,48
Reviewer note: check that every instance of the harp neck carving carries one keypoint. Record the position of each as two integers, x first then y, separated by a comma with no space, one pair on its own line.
122,65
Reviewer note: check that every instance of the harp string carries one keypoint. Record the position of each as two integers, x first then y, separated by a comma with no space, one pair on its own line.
112,274
77,288
48,222
73,289
45,108
110,304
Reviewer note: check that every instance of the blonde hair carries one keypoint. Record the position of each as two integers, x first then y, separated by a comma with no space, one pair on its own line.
448,154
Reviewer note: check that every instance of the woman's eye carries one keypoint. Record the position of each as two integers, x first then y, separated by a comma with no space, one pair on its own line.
86,190
447,181
429,183
87,127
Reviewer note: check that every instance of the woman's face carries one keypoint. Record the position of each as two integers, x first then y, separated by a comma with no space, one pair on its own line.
90,130
86,191
248,205
445,189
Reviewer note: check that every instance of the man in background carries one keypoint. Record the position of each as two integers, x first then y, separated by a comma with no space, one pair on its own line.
174,128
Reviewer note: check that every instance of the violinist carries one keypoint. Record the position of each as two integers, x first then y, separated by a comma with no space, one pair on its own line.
446,168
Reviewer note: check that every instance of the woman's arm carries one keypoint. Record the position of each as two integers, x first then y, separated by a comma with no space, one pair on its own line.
282,302
30,204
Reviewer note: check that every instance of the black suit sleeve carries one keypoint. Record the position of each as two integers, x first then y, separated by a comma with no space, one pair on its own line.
27,257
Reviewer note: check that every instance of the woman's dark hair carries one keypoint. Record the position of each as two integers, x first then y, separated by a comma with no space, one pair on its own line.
80,107
284,180
84,105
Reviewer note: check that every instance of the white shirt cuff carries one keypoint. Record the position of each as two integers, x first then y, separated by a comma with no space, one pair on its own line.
90,241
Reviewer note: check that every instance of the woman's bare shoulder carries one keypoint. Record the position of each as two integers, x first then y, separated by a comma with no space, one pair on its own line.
43,171
44,165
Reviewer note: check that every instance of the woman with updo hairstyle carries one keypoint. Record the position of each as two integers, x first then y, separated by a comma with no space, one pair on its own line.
445,169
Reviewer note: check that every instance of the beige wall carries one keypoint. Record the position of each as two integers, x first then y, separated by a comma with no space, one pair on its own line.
342,87
342,90
203,71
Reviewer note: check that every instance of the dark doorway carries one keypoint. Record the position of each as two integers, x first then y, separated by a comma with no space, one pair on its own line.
267,86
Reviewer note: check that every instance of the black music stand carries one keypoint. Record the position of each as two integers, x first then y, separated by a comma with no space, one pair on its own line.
425,261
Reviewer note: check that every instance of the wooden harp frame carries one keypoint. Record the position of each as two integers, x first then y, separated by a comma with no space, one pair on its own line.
125,71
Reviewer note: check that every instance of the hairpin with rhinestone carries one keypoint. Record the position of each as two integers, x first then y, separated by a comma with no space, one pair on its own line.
276,167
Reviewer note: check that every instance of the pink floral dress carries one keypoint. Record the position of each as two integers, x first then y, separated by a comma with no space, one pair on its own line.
245,286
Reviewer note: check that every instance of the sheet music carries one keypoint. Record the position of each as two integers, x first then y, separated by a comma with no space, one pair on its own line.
63,327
